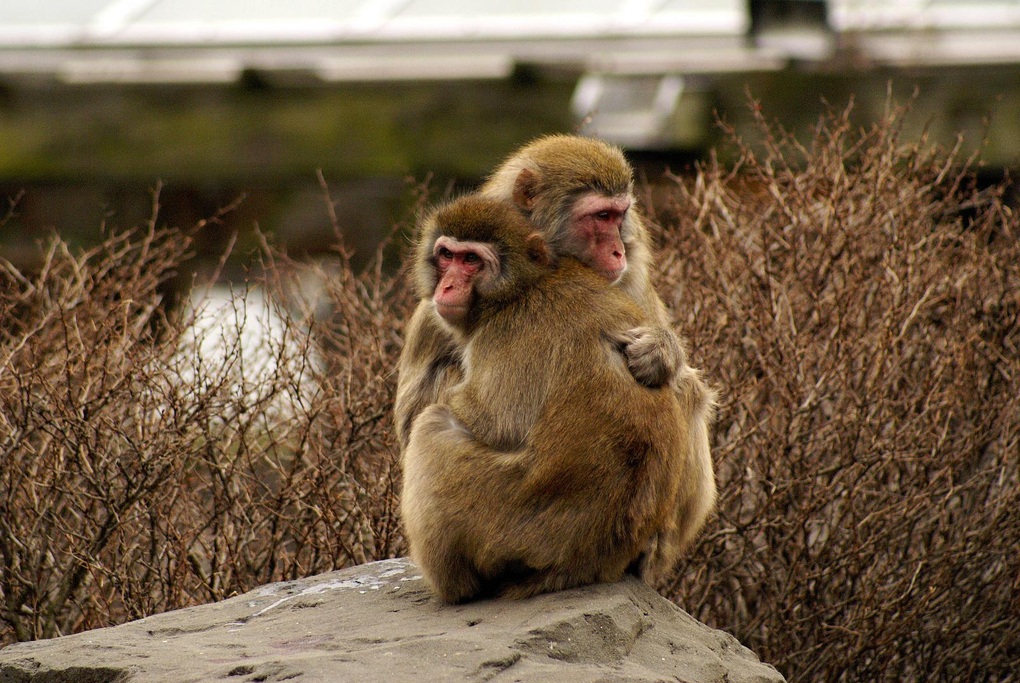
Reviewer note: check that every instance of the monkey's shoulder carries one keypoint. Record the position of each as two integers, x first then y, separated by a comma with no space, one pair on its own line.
570,308
576,289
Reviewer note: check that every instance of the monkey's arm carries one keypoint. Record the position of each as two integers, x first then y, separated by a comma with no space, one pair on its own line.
429,363
657,346
698,487
458,505
654,353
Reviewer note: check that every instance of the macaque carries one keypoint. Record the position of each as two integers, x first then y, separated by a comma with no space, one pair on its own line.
548,466
578,192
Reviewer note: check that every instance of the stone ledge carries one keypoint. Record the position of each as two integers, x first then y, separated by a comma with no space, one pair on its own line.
378,622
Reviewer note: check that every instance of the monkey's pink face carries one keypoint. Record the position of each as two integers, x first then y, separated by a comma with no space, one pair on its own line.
596,222
461,267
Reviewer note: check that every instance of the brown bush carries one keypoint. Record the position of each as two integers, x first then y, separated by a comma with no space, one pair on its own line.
855,301
139,472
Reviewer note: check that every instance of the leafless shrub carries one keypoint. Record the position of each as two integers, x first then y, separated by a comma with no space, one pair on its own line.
141,472
857,302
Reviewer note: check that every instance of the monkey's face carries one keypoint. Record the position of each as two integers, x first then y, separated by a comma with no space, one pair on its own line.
595,233
462,269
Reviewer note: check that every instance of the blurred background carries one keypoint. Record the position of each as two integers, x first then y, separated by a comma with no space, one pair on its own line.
100,100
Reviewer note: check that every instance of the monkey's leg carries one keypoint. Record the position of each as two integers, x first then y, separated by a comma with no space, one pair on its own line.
433,505
448,571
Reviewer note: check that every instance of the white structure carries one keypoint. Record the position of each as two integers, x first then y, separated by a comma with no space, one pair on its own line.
197,40
635,58
241,339
930,32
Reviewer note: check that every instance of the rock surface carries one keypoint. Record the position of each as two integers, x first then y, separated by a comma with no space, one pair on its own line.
378,622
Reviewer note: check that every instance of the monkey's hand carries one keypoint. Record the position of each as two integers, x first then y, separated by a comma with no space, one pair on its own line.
654,354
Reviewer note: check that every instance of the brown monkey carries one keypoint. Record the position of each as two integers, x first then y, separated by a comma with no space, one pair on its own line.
604,462
579,192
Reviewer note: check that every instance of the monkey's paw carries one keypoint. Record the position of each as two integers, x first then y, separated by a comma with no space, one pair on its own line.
654,354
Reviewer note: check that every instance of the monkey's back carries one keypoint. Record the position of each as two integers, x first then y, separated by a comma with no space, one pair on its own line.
596,434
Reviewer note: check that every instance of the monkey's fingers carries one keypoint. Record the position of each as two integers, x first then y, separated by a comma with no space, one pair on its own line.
654,355
622,339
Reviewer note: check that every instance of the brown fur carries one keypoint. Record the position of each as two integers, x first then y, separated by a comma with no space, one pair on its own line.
604,463
544,179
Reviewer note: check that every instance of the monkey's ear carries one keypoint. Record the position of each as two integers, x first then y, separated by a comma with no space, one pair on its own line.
525,189
536,249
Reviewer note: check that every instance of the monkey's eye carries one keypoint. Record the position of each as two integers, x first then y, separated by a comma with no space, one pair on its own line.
445,253
603,215
471,257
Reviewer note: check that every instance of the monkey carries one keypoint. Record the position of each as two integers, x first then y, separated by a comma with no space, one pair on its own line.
584,493
578,191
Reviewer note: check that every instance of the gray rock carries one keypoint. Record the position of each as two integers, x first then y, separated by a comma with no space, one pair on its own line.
378,622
